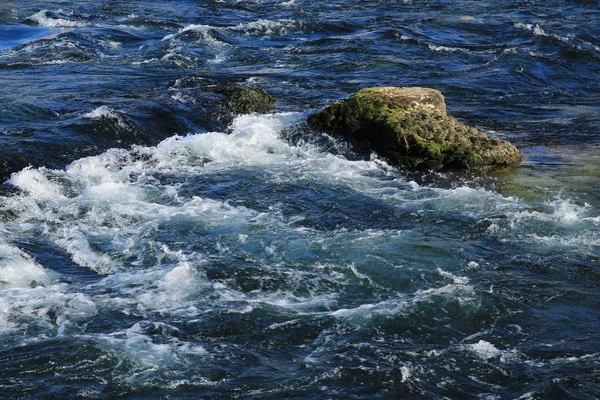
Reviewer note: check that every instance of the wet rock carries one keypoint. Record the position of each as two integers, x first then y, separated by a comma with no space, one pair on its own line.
239,100
410,127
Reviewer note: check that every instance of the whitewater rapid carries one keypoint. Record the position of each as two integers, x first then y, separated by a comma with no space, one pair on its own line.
152,237
150,249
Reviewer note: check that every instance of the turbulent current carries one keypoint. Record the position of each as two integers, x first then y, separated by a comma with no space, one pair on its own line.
150,249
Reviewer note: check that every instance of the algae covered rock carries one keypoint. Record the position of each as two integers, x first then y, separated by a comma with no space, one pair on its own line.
410,126
245,100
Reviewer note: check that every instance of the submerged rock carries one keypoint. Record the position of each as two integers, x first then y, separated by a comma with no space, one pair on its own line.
239,100
410,126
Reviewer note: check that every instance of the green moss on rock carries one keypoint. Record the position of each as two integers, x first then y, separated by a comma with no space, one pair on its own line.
410,126
245,100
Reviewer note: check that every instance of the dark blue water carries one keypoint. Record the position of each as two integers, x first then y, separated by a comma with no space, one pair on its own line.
151,248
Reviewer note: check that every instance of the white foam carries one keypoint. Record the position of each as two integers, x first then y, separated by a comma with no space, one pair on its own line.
472,265
143,356
537,30
564,212
265,26
203,30
46,19
527,396
105,112
101,112
118,192
177,286
402,304
485,350
573,241
406,373
297,303
75,306
469,201
17,269
75,240
111,44
5,313
51,50
447,49
366,311
35,182
459,280
177,43
31,297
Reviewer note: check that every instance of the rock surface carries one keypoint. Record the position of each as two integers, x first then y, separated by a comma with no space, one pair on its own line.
410,126
240,100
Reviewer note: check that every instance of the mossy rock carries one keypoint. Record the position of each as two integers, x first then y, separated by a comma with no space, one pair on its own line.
410,126
239,100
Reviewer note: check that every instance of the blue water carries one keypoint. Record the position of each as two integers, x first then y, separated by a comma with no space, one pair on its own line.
151,248
11,36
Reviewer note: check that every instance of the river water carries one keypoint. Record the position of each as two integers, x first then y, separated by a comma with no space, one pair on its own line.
149,249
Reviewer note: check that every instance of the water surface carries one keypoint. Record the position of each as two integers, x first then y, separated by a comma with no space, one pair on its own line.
152,250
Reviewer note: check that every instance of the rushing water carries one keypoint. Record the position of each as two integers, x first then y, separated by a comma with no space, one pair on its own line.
150,250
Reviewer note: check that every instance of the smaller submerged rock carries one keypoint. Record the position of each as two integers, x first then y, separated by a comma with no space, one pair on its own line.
410,126
240,100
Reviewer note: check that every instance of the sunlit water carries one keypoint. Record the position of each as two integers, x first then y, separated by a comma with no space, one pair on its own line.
150,252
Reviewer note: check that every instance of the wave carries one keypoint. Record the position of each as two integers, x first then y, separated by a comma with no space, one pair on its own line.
265,27
573,43
56,19
537,30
